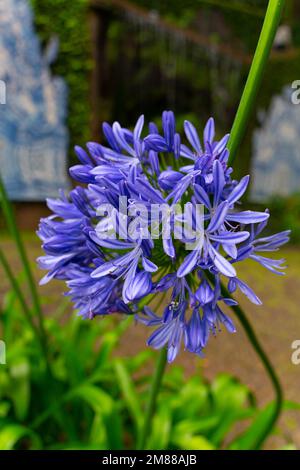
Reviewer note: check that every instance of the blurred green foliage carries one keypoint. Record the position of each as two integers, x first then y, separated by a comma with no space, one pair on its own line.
250,15
286,215
95,400
185,78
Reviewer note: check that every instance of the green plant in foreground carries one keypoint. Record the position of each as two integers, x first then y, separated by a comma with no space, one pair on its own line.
91,400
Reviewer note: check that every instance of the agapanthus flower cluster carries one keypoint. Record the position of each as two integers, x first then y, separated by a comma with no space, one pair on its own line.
124,270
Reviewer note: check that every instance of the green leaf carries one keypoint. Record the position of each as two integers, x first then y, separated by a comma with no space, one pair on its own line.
194,443
114,430
98,433
110,340
129,393
290,405
11,434
76,445
106,429
252,436
97,399
139,360
4,408
161,429
229,401
289,447
200,425
190,399
20,388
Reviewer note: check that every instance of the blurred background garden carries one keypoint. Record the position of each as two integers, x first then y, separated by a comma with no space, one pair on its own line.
66,67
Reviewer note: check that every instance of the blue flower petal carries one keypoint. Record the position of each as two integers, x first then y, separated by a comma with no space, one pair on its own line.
192,136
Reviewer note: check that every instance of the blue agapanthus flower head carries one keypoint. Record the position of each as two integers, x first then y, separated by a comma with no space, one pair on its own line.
156,212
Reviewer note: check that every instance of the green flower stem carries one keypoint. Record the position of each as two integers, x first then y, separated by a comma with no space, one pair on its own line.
12,226
267,365
152,400
265,42
163,162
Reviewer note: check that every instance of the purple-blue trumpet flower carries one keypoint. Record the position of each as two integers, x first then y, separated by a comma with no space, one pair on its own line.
116,242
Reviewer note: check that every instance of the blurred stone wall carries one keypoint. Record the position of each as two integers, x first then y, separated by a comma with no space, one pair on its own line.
33,135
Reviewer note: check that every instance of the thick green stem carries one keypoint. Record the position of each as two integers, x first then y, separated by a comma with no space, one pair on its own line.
266,39
268,367
153,394
12,226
